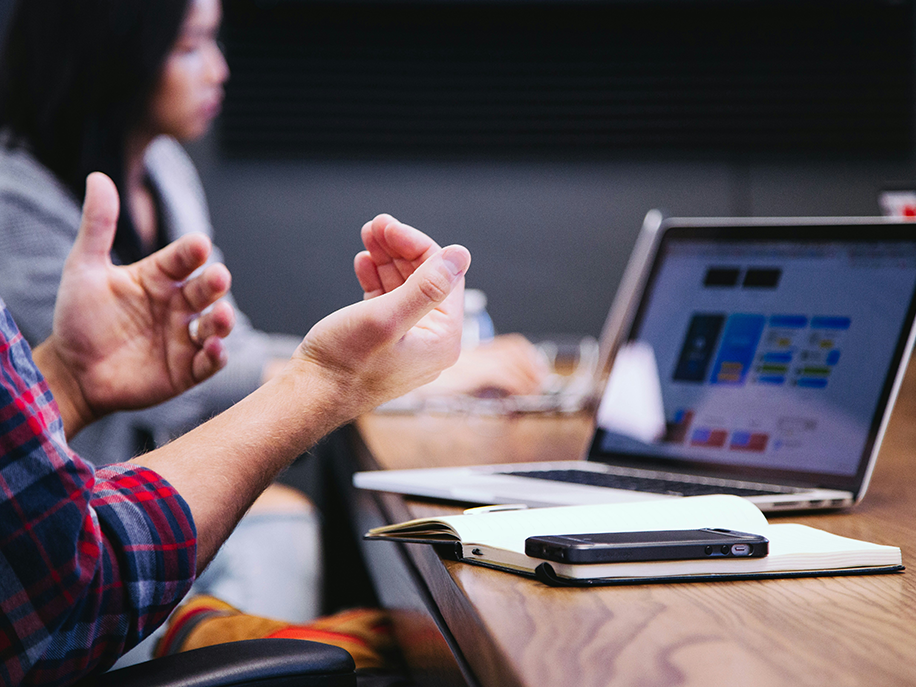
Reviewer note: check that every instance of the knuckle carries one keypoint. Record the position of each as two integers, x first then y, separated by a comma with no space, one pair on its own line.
435,287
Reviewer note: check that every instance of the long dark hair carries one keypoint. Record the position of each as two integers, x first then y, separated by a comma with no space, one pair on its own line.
76,76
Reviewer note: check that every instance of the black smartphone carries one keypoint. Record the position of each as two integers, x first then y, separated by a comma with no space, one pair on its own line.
662,545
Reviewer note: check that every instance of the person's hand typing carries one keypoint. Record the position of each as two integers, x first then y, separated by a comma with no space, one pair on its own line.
121,334
506,366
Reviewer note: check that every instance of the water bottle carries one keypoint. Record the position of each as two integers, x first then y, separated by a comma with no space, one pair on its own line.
477,327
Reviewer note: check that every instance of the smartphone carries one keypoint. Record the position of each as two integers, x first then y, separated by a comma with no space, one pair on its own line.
662,545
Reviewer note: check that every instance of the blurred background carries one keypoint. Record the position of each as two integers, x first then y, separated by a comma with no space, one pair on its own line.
539,133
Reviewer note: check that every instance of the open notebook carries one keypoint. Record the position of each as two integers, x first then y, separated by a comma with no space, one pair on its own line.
756,357
497,540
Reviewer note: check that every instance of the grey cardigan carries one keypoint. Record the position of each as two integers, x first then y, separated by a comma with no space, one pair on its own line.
39,218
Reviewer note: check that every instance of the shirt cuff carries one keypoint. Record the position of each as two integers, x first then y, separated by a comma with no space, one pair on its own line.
151,531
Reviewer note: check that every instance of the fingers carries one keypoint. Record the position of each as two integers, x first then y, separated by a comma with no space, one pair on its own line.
99,221
208,287
393,251
210,330
430,286
217,322
178,260
387,238
508,365
367,275
210,359
515,352
407,242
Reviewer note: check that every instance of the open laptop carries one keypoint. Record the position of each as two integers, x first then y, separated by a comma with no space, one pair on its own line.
758,357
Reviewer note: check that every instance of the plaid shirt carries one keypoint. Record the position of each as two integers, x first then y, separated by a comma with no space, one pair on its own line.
91,561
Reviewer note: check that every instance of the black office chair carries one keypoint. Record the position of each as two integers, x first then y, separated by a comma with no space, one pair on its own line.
247,663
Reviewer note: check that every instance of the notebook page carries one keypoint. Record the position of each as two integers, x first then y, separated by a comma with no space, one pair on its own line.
508,530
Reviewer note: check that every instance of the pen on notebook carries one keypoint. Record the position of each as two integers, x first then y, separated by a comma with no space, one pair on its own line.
495,509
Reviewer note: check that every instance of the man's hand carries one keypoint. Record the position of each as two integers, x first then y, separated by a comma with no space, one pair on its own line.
510,364
408,327
403,334
120,336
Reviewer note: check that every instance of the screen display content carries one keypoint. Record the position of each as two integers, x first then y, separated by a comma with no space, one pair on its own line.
767,354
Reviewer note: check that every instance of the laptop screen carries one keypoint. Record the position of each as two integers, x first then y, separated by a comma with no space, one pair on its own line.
763,352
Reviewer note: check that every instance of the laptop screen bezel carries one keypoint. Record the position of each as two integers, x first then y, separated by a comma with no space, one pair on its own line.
749,230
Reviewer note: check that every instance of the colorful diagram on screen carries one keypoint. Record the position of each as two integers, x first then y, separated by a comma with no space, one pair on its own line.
800,351
794,350
751,349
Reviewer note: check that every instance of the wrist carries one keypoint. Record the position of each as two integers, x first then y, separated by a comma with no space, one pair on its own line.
329,400
74,409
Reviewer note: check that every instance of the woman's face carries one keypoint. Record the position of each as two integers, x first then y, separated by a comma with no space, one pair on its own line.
190,89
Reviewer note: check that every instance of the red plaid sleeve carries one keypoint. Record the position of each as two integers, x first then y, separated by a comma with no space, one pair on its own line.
90,561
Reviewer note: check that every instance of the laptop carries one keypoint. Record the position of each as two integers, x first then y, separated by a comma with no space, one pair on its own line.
757,357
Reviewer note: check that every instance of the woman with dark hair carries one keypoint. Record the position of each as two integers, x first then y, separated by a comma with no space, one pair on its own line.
75,90
111,85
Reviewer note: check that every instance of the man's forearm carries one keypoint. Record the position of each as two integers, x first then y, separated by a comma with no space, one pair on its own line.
348,363
223,465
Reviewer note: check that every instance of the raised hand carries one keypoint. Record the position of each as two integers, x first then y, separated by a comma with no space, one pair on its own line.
408,328
393,252
403,334
509,364
121,335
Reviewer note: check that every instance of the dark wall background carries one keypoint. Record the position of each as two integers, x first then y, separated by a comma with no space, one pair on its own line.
538,135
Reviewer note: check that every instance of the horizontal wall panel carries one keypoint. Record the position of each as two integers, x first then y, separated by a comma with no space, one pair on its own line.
497,79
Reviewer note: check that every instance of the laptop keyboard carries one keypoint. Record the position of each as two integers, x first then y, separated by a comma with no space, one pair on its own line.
651,485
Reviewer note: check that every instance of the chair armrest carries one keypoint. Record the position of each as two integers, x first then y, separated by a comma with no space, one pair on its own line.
251,662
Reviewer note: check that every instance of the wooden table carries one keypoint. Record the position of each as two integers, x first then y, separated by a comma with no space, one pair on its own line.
471,625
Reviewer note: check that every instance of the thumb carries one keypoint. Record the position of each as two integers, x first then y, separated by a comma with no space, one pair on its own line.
427,288
99,222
